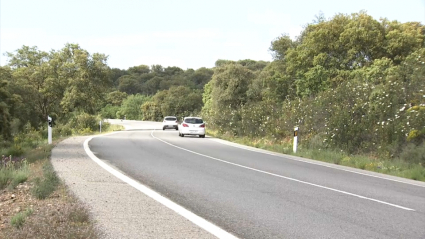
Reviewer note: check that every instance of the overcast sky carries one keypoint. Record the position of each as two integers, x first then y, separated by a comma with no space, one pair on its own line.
183,33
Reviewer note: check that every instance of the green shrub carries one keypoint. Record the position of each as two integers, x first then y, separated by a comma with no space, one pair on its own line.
41,152
13,171
19,219
85,131
109,111
416,173
62,130
414,154
84,122
20,176
47,184
5,177
15,150
28,138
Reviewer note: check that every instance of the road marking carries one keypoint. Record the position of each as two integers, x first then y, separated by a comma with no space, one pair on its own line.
320,163
288,178
201,222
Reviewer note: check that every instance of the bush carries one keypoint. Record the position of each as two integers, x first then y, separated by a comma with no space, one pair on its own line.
20,176
28,138
13,171
414,154
5,176
109,111
62,130
19,219
15,150
47,184
84,123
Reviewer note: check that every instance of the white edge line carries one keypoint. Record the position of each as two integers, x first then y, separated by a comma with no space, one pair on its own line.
199,221
291,157
288,178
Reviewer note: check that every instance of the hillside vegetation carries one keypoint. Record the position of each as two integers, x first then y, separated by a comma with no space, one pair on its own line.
354,86
351,83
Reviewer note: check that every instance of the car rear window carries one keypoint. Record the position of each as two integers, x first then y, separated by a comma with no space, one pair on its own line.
170,118
194,121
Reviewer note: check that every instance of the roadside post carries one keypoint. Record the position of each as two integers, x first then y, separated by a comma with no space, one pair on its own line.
295,138
49,129
100,125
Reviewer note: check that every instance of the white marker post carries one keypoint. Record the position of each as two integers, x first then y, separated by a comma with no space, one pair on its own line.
100,125
49,129
295,139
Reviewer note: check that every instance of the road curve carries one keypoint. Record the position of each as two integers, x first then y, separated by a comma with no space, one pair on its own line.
253,194
118,209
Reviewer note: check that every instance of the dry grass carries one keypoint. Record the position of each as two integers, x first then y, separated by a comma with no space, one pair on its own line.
58,215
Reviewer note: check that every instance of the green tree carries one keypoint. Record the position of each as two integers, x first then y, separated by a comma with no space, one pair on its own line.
201,76
280,46
5,117
116,98
129,84
89,80
229,92
32,77
402,39
131,107
151,111
180,101
152,86
139,70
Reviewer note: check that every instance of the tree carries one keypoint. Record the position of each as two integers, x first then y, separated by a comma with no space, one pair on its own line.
402,39
116,74
131,107
129,84
229,92
32,81
5,117
116,98
179,101
89,80
139,70
173,71
280,46
201,76
152,86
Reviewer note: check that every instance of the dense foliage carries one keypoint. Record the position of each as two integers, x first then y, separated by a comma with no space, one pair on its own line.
350,83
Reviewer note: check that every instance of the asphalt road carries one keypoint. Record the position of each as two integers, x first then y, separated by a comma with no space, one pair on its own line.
258,195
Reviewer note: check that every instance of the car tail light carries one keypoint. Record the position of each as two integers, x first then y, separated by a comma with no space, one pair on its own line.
202,126
185,125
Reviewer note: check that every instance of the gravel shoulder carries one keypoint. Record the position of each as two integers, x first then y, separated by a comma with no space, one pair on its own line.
119,210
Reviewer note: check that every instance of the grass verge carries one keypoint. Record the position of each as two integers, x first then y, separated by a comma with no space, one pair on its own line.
36,204
395,167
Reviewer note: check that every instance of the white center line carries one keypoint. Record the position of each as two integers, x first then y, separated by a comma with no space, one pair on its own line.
323,164
288,178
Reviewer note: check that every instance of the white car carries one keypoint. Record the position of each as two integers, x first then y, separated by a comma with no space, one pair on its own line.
192,126
170,122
